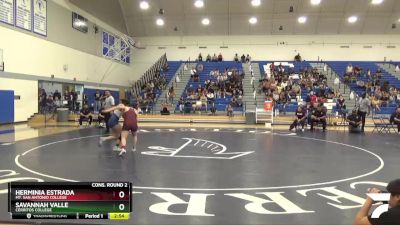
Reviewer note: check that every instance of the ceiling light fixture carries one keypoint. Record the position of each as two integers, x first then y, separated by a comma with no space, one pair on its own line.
376,2
253,20
255,3
302,19
160,22
315,2
352,19
144,5
199,3
205,21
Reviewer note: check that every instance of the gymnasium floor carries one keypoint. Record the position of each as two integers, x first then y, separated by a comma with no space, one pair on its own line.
228,174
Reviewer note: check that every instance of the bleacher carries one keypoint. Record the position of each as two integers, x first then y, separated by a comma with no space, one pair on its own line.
173,68
298,67
340,68
220,103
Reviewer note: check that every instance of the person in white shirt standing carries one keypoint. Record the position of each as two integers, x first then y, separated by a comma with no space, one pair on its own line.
364,109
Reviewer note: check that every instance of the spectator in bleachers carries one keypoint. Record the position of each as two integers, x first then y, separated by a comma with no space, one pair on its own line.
297,58
208,59
181,105
200,58
385,98
211,96
164,109
236,58
203,99
248,58
243,58
215,58
165,67
220,57
397,69
349,69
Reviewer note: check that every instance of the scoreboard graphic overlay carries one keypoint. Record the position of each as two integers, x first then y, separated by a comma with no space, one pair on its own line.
83,200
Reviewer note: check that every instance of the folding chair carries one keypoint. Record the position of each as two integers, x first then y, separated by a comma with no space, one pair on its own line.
388,126
379,125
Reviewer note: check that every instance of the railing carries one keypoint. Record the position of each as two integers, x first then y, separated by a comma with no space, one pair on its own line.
148,75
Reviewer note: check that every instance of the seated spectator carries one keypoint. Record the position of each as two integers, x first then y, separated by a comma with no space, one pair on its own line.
165,68
203,100
349,69
215,58
319,116
210,97
164,110
101,118
220,57
181,104
200,58
85,114
390,217
297,58
188,106
208,59
385,99
301,117
354,121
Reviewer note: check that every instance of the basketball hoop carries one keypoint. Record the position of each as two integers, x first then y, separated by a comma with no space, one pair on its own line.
131,43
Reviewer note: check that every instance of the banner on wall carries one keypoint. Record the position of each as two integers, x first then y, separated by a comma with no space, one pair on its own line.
7,11
23,14
40,17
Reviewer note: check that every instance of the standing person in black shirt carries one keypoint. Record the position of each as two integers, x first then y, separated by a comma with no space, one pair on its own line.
390,217
57,94
85,114
301,117
319,116
395,118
